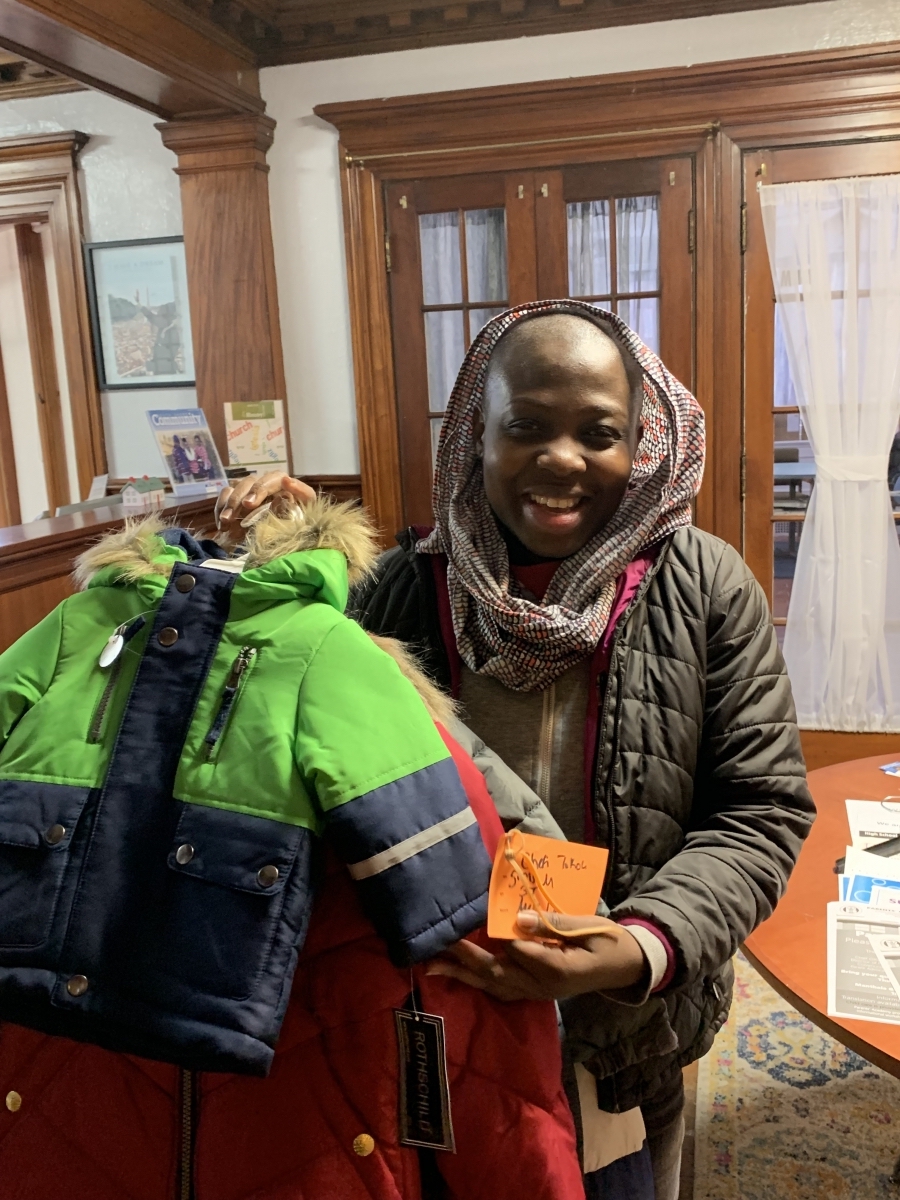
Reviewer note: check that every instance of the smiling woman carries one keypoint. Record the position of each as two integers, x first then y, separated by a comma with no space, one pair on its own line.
624,665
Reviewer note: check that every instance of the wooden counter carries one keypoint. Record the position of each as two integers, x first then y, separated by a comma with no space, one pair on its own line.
36,560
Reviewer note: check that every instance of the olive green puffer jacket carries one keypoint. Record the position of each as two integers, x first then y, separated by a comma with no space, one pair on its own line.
699,786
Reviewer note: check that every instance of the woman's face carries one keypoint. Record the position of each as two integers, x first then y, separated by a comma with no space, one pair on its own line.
558,433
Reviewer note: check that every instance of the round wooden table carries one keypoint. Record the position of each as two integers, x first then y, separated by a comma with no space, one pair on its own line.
789,949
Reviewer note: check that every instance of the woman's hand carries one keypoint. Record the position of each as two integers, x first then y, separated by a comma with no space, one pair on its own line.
236,503
541,971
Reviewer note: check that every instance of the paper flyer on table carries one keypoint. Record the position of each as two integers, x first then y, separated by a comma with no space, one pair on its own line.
873,821
859,986
861,889
887,951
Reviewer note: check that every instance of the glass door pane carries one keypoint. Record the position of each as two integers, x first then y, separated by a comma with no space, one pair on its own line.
617,239
464,284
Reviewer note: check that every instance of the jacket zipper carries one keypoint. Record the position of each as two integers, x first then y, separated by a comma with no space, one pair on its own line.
188,1090
96,727
229,694
545,746
127,631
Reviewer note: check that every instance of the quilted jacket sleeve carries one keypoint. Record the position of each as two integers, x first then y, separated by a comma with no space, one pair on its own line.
390,797
752,807
27,669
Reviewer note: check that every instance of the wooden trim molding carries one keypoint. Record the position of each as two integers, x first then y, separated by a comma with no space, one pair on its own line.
714,112
10,509
38,183
43,364
156,54
341,487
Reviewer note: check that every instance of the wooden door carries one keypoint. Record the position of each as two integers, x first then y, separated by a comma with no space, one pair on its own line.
778,468
463,248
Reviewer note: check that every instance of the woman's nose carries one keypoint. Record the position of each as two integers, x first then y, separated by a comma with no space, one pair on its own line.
562,456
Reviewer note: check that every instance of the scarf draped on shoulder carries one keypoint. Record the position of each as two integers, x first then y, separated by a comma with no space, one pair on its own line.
500,633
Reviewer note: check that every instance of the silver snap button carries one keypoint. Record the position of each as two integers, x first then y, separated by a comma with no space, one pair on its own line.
266,876
185,583
55,835
167,636
184,854
77,985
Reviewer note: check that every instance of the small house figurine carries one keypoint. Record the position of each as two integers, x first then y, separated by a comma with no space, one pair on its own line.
143,495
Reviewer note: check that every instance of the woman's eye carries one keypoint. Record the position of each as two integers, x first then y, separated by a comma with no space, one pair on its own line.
602,433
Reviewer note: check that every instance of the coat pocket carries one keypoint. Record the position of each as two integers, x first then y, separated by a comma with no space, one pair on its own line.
37,824
229,876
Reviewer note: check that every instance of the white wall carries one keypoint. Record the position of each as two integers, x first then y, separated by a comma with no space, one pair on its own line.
304,179
128,190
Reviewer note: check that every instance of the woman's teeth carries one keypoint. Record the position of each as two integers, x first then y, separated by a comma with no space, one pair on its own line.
555,501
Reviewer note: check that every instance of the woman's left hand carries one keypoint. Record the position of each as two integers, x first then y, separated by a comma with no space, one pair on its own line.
549,971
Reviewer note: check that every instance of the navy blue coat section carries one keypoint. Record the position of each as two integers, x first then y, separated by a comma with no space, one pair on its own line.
436,895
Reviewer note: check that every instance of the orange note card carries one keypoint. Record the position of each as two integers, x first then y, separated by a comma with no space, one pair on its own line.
570,874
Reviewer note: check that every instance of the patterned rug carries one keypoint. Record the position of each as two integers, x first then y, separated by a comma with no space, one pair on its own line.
786,1113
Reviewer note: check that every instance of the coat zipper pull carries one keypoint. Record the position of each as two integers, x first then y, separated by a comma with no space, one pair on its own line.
118,638
229,692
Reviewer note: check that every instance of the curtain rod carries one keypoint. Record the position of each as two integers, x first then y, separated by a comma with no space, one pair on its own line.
706,127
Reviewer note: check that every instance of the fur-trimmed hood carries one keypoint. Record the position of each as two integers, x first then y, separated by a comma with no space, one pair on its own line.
137,550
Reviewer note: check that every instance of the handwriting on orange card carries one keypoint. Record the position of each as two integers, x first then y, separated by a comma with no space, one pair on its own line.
569,875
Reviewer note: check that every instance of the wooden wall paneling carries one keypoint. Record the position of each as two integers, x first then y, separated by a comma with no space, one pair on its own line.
551,238
409,347
759,367
722,325
21,609
43,364
230,261
704,307
38,182
376,412
678,240
520,231
10,511
341,487
157,54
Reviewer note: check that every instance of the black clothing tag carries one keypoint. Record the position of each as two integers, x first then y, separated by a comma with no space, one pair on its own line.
424,1089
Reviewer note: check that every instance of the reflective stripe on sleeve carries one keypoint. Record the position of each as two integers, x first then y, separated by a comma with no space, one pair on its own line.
413,845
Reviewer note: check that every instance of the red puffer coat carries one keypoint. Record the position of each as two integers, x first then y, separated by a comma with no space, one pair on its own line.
88,1124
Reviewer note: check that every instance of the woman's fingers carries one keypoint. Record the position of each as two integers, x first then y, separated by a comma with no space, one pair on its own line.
599,963
479,968
235,503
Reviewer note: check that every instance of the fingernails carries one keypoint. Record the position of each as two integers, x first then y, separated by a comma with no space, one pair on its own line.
527,920
224,514
435,970
250,498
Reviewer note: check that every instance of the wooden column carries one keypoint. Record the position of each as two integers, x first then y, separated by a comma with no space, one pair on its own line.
230,261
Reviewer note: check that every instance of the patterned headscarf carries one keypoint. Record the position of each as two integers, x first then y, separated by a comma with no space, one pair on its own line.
526,645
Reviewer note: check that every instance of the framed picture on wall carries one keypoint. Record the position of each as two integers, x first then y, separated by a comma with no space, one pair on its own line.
139,313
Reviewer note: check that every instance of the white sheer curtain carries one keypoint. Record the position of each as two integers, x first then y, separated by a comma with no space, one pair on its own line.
834,249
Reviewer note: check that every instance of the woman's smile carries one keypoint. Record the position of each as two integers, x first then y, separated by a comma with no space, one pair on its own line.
554,513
